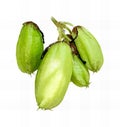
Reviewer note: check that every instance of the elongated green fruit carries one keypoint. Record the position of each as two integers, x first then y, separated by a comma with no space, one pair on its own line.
88,48
53,76
29,47
80,74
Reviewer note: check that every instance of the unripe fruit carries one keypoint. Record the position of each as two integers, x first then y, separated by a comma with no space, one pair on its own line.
29,47
53,76
80,74
88,48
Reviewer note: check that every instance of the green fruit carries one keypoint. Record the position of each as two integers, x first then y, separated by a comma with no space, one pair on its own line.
53,76
80,74
88,48
29,47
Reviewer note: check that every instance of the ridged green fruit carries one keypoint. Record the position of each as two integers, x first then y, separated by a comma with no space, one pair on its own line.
53,76
88,48
80,73
29,47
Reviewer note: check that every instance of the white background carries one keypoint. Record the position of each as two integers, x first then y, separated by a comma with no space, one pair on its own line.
96,106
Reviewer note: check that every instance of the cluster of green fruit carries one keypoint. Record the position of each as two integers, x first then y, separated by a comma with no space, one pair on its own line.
68,59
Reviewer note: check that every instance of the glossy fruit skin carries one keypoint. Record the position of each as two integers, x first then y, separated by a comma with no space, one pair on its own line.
29,47
53,76
88,48
80,73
